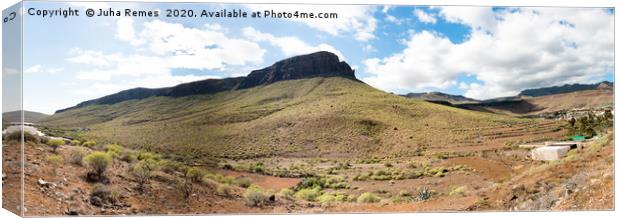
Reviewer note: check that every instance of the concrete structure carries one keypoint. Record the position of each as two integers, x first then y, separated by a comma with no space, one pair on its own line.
550,152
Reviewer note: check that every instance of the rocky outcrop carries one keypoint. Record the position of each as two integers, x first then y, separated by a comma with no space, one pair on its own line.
318,64
322,63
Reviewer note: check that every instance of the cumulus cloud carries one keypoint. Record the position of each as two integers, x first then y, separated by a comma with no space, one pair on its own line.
39,69
162,47
289,45
356,20
425,17
507,51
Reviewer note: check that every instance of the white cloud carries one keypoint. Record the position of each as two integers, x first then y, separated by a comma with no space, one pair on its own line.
357,20
39,69
425,17
289,45
33,69
393,19
529,47
161,47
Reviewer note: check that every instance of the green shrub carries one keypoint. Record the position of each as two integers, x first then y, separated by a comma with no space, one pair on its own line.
243,182
143,171
311,182
458,191
76,155
169,166
128,156
76,142
98,161
55,161
223,190
196,173
254,196
287,193
89,143
17,136
114,150
308,194
147,155
368,197
55,143
327,199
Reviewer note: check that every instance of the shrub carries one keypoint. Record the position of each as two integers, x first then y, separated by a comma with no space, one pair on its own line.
196,173
17,136
55,161
254,196
311,182
104,195
143,171
328,199
89,143
76,155
114,150
55,143
368,197
128,156
287,193
424,194
243,182
186,188
223,189
169,166
98,162
458,191
75,142
147,155
308,194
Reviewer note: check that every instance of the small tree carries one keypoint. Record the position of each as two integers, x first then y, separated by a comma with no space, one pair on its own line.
55,161
254,196
55,143
98,161
143,171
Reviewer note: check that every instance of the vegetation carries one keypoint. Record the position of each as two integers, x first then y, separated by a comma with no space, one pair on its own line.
55,143
55,161
424,194
89,143
76,155
308,194
143,171
98,161
368,197
254,196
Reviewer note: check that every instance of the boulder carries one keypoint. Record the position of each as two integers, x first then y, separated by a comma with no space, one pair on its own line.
550,152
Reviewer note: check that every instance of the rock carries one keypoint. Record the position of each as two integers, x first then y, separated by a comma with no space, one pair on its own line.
45,184
550,152
303,66
94,200
3,176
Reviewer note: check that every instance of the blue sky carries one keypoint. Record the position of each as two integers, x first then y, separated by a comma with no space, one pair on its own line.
480,52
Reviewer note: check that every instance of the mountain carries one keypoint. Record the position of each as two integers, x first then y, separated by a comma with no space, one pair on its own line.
318,110
440,97
29,116
565,89
324,64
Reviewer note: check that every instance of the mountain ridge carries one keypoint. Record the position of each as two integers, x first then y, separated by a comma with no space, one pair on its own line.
317,64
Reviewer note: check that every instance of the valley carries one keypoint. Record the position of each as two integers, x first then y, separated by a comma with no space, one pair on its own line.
304,136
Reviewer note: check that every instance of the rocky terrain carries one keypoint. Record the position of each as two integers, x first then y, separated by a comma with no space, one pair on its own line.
301,136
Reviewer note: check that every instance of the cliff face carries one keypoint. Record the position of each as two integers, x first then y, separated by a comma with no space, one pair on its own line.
318,64
322,63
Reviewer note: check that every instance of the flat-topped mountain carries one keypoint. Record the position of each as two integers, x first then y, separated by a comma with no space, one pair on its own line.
318,64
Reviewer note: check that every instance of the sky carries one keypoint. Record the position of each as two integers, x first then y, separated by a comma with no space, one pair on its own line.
478,52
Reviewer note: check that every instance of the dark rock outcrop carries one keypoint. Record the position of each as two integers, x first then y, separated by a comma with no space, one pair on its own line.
304,66
318,64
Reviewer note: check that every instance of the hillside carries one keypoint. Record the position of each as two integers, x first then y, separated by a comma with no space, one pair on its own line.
440,97
311,117
565,89
29,116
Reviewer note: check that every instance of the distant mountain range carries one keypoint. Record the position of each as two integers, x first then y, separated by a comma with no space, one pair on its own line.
29,116
439,97
324,64
565,89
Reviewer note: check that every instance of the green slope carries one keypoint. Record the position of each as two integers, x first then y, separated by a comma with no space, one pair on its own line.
310,117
